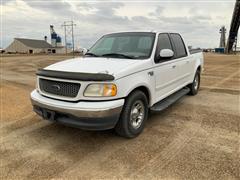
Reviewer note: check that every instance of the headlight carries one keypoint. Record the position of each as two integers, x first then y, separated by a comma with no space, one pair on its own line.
101,90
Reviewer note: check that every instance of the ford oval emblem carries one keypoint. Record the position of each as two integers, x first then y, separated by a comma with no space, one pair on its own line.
56,87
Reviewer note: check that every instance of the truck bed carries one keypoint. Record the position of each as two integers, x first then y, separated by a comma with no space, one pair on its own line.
193,51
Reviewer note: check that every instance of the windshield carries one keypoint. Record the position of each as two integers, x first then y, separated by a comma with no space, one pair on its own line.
131,45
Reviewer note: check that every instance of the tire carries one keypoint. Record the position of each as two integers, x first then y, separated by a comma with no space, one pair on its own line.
194,86
133,115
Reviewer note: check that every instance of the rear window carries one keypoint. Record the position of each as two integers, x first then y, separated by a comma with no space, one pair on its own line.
179,45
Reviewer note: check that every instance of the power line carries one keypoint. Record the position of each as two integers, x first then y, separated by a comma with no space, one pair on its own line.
68,32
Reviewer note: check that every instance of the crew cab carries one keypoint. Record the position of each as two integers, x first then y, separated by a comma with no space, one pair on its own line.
118,81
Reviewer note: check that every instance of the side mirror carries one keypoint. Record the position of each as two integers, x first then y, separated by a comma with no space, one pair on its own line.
166,53
84,51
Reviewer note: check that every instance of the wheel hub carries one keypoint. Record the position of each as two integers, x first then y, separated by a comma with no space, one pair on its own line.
196,82
137,114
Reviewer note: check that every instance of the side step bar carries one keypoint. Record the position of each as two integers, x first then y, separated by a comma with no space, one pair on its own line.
163,104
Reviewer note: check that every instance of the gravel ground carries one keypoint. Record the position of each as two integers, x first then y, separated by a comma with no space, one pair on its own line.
196,138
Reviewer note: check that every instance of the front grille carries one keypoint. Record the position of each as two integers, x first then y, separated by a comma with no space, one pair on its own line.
59,88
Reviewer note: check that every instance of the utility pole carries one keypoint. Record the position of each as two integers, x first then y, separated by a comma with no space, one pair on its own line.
68,29
65,36
73,38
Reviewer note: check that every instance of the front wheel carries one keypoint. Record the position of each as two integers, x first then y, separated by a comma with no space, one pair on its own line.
194,86
133,116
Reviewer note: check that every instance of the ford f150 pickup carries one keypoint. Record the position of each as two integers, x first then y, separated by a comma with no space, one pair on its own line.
118,81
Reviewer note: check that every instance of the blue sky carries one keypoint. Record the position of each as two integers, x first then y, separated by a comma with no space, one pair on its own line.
198,21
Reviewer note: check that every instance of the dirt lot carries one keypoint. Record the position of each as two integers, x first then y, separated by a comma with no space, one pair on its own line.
196,138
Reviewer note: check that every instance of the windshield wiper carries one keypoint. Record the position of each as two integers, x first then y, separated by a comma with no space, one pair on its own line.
117,54
91,54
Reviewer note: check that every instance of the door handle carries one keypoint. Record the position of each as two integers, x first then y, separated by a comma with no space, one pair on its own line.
187,62
150,73
173,66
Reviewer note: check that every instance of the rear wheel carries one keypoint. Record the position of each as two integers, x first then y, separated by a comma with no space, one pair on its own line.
194,86
133,116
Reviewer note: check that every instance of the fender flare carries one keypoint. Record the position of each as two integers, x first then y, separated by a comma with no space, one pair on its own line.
139,86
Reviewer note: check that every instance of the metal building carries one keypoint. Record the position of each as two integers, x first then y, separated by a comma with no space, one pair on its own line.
28,46
56,40
31,46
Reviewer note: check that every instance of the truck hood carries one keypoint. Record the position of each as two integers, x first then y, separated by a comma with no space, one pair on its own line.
110,66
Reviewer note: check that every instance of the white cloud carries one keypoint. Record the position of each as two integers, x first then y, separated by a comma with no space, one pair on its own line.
198,21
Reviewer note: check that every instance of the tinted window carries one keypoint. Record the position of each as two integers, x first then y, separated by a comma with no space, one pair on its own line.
179,45
163,43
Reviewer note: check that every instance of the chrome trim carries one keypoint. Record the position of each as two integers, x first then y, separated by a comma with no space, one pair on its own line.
55,96
80,113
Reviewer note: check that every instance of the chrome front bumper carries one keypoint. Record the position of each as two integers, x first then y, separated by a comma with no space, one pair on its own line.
88,115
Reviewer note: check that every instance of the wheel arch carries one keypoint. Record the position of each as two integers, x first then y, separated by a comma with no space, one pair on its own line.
199,68
145,90
198,65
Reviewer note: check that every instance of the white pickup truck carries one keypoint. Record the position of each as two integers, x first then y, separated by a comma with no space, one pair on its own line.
118,81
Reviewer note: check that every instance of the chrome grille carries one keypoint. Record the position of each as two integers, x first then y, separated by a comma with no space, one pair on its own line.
59,88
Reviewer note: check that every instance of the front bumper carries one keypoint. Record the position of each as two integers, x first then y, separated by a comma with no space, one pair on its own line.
85,115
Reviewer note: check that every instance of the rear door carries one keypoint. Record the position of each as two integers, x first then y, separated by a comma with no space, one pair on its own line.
165,70
183,61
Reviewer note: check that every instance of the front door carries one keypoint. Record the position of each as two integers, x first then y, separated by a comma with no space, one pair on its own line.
166,70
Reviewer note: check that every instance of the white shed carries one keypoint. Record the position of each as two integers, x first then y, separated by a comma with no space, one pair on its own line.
29,46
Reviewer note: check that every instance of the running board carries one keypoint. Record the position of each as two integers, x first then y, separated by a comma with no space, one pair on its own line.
163,104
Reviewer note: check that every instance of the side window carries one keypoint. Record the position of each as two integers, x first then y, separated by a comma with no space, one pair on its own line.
163,43
179,45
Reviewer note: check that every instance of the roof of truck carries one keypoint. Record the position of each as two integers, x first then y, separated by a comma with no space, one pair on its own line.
141,31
